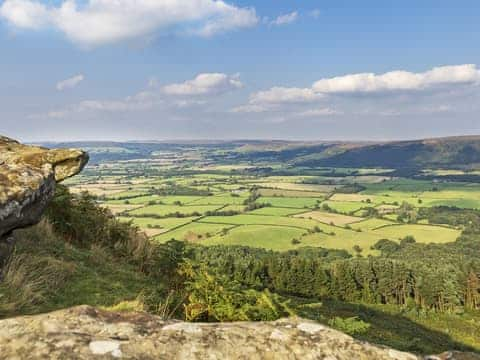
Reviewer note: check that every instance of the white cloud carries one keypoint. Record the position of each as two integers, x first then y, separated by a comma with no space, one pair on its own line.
285,19
169,97
233,18
189,103
70,82
249,108
25,13
204,84
406,89
399,80
414,110
141,101
320,112
281,95
98,22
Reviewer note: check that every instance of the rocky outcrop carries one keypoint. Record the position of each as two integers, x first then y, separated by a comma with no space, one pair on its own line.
88,333
28,175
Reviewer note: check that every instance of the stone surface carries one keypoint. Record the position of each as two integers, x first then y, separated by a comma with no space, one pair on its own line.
28,175
86,333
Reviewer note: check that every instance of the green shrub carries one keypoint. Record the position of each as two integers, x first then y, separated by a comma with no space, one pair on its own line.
352,325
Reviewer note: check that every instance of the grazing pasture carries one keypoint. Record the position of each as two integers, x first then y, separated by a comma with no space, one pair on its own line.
261,220
345,207
275,211
159,224
371,224
297,186
290,193
421,233
290,202
193,232
201,199
163,210
329,218
268,237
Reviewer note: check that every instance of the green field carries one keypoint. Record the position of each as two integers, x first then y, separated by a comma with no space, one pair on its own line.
290,202
168,200
356,207
371,224
421,233
193,232
278,211
165,224
268,237
290,193
261,220
163,210
219,200
345,206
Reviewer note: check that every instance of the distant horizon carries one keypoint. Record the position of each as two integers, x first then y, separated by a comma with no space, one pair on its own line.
206,140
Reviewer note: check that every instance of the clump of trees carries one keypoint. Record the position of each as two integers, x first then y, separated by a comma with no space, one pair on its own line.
423,276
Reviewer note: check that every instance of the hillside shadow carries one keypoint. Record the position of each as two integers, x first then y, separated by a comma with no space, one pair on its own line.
393,330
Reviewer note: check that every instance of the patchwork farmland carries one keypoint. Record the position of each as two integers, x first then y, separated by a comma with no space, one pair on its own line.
221,204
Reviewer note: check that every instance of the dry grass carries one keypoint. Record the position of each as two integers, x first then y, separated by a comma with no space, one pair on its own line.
118,209
329,218
29,277
99,190
136,305
153,232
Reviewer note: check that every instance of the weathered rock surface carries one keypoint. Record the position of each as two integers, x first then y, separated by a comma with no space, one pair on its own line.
88,333
28,175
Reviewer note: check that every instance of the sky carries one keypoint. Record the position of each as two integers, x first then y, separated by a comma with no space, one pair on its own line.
239,69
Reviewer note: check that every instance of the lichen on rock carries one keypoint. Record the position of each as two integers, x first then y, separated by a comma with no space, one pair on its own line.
87,333
28,175
84,332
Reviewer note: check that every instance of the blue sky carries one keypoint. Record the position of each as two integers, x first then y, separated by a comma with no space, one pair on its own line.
192,69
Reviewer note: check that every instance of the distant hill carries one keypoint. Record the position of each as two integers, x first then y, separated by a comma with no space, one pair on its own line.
451,152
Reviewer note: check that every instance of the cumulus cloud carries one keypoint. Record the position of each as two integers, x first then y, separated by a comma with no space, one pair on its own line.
279,95
399,80
320,112
285,19
249,108
419,93
98,22
70,82
25,13
438,78
139,102
189,94
204,84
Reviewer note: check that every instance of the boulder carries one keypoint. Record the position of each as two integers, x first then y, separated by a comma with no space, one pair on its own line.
28,175
87,333
84,332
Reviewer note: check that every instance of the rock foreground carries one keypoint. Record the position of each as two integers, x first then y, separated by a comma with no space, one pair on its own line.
87,333
28,175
